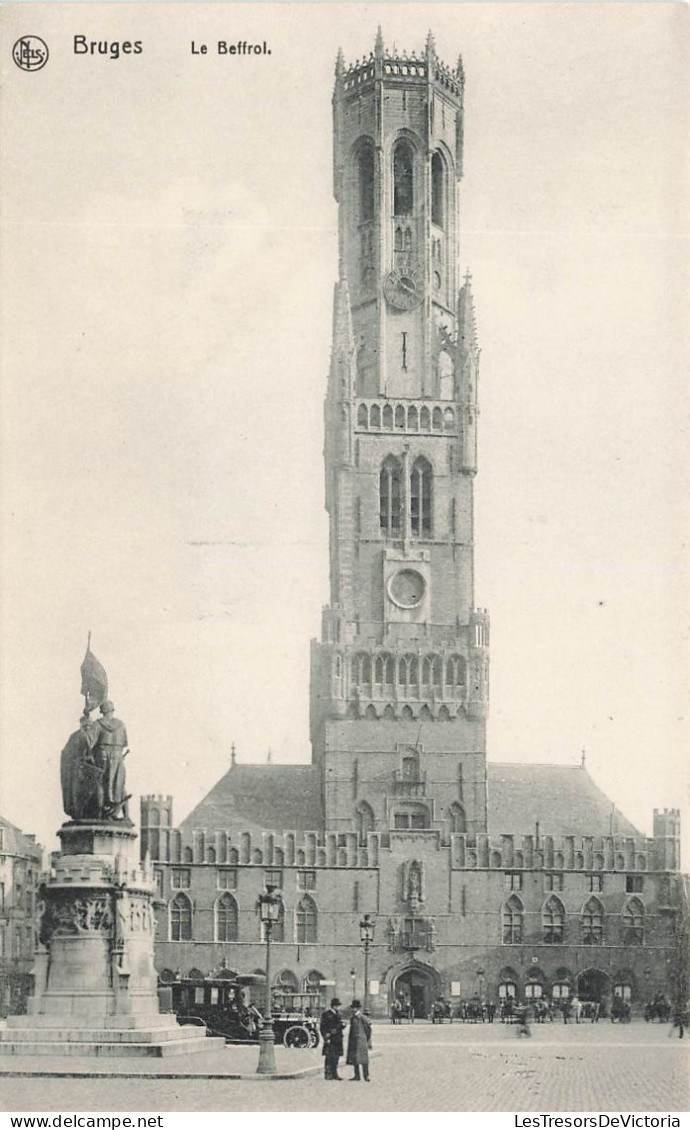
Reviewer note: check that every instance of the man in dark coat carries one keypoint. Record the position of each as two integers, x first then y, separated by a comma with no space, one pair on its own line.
359,1042
331,1028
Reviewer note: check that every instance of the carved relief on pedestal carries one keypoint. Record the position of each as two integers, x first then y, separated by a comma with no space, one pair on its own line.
65,915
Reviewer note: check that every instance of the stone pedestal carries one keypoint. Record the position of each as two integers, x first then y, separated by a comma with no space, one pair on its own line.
95,987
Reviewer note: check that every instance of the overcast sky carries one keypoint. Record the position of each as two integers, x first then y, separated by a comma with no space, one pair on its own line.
169,252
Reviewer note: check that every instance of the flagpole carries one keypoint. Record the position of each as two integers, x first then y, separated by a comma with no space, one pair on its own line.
88,649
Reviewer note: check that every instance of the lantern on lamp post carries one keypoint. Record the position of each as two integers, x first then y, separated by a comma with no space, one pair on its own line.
366,935
269,906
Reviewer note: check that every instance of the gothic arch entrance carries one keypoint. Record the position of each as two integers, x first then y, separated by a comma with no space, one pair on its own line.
417,985
593,985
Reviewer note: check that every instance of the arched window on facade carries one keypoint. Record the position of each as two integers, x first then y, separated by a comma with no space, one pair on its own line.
364,819
412,418
226,919
314,983
507,984
306,920
592,923
438,186
400,417
420,498
403,179
285,985
633,923
362,416
513,914
534,985
390,498
425,420
180,919
553,921
366,178
375,416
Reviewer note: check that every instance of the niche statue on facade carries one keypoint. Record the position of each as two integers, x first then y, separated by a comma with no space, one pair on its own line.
92,769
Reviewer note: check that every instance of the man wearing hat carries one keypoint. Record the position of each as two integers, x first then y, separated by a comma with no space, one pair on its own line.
331,1028
359,1042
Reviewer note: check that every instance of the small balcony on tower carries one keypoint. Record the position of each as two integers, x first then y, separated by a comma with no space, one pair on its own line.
409,783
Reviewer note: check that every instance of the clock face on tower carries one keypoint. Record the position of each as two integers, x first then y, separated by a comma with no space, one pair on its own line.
406,588
403,288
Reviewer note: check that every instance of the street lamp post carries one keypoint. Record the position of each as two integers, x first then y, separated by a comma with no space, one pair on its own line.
269,906
353,979
366,934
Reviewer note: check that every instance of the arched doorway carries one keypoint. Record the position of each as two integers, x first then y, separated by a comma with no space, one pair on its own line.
592,985
417,985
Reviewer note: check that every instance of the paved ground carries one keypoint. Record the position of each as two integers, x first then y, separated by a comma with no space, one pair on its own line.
422,1068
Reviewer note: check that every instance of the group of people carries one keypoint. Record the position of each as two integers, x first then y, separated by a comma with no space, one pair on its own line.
332,1026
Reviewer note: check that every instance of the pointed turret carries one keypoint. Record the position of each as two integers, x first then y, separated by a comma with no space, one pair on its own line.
340,64
379,46
430,45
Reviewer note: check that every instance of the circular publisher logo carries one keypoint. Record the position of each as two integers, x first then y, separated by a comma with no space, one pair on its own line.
30,53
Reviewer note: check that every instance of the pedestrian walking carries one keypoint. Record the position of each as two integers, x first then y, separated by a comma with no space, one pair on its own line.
679,1020
359,1043
522,1020
331,1027
565,1008
576,1006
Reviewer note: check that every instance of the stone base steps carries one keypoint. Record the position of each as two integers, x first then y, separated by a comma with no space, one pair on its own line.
70,1035
61,1037
111,1050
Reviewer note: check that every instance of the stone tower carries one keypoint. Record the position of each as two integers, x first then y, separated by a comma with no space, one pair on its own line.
399,685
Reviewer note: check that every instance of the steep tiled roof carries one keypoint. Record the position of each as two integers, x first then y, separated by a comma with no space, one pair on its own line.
15,842
254,797
563,798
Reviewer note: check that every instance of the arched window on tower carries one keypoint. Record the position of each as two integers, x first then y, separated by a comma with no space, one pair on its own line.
226,918
420,498
306,918
390,498
403,179
437,191
364,820
455,818
455,676
366,177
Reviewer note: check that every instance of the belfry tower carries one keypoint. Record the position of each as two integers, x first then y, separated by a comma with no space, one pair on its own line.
399,685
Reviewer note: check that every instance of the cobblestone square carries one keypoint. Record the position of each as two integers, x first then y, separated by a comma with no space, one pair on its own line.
419,1067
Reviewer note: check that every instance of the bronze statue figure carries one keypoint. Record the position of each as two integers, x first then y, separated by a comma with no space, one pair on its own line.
92,767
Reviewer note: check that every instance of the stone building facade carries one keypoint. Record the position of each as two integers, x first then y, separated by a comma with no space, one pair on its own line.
489,879
21,864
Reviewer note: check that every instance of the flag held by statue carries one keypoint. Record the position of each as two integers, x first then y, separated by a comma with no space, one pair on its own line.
94,681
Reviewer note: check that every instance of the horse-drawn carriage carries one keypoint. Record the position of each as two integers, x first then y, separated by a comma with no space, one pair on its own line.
224,1005
620,1011
658,1009
441,1011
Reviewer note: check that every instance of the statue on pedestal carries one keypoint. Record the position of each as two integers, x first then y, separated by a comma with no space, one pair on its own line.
92,767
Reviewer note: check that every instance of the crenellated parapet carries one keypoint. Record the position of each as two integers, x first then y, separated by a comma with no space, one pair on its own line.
274,849
552,853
